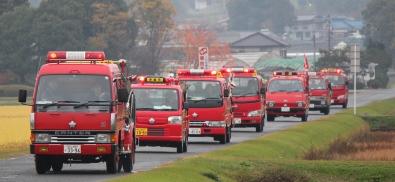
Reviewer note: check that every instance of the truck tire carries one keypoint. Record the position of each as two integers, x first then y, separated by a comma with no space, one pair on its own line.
345,104
228,134
327,110
185,144
304,118
112,163
180,147
259,127
127,162
270,118
42,164
57,166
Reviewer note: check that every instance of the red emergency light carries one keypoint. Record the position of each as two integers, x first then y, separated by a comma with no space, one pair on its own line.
285,73
197,72
332,70
238,70
156,80
64,56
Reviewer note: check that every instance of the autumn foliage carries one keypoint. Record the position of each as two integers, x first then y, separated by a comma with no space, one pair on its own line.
194,37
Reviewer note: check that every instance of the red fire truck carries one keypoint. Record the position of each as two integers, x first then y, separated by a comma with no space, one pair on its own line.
320,93
339,83
247,97
287,95
210,110
162,118
81,113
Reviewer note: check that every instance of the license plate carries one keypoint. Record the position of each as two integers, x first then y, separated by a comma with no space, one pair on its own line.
332,101
285,109
195,131
237,120
72,149
311,105
141,131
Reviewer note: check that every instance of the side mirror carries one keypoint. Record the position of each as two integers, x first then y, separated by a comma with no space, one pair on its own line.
226,93
22,95
186,105
122,95
262,91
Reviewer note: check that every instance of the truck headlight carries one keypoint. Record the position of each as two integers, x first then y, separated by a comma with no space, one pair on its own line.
216,123
340,97
300,103
254,113
42,138
103,138
174,119
270,104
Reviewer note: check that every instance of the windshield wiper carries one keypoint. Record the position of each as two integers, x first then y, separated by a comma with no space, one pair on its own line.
92,102
59,102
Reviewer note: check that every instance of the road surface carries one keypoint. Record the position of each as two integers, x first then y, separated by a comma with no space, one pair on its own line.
22,168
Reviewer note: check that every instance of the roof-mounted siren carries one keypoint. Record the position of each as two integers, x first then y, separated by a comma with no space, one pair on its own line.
197,72
75,56
332,70
285,73
156,80
238,70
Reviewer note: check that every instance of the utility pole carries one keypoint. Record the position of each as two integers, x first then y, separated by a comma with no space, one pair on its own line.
329,32
315,47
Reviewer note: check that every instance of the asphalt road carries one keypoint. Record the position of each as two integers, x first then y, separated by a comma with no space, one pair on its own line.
22,168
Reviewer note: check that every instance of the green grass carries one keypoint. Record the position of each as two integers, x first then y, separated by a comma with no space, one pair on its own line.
284,150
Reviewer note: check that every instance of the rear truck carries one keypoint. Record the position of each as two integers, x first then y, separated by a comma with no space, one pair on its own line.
81,113
162,118
339,82
320,93
287,95
210,110
248,97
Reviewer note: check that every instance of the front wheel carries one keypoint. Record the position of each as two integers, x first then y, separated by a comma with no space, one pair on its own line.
127,162
57,166
112,163
259,127
270,118
42,164
304,118
345,104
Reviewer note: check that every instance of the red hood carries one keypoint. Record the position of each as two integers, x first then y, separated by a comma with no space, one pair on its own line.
291,97
247,103
83,121
319,93
160,117
207,114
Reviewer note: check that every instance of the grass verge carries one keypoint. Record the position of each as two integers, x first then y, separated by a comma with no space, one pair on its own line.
281,152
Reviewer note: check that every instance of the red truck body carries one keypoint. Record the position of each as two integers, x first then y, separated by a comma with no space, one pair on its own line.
161,118
210,109
287,95
339,83
79,113
320,93
247,97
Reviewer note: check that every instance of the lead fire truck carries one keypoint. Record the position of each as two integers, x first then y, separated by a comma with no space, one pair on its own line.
210,110
287,95
162,118
339,82
81,113
247,97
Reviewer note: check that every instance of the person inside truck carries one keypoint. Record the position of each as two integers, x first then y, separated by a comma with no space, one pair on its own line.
99,93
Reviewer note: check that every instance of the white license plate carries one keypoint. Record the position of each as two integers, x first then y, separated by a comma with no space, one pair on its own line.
195,131
72,149
311,105
237,120
285,109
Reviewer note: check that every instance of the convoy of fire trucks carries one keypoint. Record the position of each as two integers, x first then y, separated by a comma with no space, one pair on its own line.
87,109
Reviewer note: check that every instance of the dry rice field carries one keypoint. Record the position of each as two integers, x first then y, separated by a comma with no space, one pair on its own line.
14,129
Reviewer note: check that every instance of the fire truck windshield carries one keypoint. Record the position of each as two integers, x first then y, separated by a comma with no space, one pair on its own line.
336,80
317,84
285,85
156,99
245,87
204,94
73,93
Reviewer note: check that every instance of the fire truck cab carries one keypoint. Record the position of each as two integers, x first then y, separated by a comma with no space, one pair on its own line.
339,82
207,96
248,97
287,95
81,113
320,93
162,118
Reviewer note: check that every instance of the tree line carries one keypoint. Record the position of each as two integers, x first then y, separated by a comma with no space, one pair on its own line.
28,33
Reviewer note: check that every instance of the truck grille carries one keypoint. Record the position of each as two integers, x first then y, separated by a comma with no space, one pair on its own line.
156,132
73,139
196,123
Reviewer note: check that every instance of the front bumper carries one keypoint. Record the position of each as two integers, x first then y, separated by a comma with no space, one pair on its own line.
318,105
161,133
86,149
208,131
276,111
246,121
